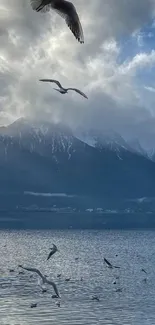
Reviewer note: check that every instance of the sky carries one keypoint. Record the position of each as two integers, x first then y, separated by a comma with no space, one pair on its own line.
115,66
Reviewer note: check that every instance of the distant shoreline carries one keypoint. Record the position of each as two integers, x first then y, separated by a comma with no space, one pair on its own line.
75,220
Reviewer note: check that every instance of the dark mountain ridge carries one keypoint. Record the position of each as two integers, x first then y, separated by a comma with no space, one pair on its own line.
43,157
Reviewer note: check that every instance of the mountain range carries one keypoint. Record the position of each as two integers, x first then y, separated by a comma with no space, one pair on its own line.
51,159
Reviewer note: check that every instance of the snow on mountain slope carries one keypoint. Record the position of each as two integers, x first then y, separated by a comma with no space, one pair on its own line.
114,142
38,137
104,139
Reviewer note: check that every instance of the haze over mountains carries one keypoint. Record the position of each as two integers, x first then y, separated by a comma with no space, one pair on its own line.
40,157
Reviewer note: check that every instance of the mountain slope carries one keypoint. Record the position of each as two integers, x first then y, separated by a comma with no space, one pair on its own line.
49,158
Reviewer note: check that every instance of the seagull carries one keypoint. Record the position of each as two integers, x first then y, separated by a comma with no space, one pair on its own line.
66,10
95,298
33,305
59,275
64,90
53,251
21,273
119,290
110,265
143,271
44,279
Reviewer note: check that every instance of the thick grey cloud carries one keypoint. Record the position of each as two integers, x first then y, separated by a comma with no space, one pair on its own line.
35,45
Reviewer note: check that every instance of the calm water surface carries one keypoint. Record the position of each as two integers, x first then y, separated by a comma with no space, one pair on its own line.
134,305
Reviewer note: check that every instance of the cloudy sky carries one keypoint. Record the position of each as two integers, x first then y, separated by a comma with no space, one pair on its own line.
115,66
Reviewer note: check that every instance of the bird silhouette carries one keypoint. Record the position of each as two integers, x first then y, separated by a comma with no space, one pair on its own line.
66,10
53,251
110,265
63,90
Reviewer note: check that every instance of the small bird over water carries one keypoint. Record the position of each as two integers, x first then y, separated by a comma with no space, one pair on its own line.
95,298
53,251
143,271
110,265
64,90
66,10
33,305
59,275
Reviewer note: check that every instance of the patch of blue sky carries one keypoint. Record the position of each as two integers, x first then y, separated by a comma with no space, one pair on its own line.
146,76
140,42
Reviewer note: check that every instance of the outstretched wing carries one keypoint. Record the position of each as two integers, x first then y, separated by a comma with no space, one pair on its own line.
55,247
40,5
108,263
32,270
50,254
52,80
78,91
54,286
116,267
67,11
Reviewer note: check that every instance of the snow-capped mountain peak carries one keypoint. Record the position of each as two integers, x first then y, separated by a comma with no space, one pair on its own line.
39,136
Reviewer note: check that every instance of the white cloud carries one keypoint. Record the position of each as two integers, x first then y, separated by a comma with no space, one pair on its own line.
140,61
151,89
64,195
35,46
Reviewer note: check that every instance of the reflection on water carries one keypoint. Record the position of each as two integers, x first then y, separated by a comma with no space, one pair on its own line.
134,305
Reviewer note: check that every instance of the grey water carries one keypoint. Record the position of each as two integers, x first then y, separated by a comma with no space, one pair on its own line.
131,250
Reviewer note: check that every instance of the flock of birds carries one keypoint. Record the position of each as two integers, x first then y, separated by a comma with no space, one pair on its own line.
43,279
67,11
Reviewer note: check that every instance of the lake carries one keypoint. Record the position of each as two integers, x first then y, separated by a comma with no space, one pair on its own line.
126,295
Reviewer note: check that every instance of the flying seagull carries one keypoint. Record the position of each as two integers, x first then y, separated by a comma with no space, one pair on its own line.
64,90
143,271
59,275
110,265
44,279
33,305
119,290
66,10
53,251
95,298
